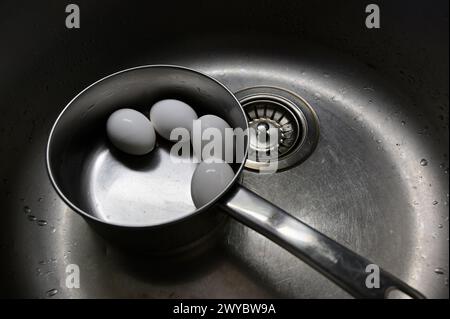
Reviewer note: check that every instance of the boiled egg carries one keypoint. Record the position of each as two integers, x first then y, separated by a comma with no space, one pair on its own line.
209,135
167,115
131,132
210,178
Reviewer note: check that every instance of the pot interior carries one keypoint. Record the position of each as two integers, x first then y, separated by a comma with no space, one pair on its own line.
122,189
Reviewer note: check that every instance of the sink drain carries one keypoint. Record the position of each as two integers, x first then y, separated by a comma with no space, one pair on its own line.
269,110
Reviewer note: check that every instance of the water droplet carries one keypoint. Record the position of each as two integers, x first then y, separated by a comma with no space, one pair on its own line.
435,202
40,199
32,218
440,226
67,254
48,261
379,141
51,292
403,123
52,229
423,162
42,222
439,271
27,210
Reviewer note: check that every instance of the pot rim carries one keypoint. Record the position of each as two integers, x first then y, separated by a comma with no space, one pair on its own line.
172,222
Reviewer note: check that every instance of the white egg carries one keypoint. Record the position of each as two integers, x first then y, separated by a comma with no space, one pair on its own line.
209,180
131,132
206,122
167,115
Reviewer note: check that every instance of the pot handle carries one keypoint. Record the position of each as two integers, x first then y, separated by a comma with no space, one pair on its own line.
341,265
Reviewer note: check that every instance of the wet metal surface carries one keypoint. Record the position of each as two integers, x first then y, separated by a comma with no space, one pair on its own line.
366,185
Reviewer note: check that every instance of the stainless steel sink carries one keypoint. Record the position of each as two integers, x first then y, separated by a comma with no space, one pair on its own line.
377,181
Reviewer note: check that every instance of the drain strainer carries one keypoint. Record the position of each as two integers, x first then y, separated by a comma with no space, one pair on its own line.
272,110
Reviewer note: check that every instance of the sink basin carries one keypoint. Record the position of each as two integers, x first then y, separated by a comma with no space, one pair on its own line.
377,181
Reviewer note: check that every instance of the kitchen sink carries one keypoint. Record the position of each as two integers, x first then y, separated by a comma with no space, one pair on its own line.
376,182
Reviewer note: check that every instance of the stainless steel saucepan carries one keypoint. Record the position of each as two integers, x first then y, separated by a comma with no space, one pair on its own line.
145,201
